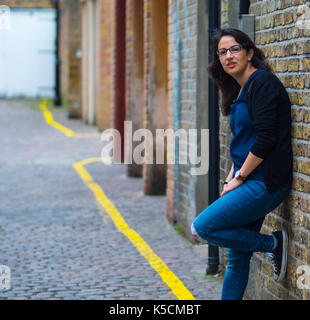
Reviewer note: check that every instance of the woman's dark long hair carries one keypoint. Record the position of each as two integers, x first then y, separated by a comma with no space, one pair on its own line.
228,86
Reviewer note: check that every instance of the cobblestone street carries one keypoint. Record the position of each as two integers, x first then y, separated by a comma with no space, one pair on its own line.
58,240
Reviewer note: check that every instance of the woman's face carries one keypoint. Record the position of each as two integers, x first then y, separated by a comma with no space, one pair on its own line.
234,63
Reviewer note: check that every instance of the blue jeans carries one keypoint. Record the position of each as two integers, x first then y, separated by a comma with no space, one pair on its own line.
234,221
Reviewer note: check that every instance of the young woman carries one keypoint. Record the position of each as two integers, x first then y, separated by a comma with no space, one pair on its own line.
261,154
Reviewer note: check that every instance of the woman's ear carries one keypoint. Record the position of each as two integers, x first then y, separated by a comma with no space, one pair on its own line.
250,54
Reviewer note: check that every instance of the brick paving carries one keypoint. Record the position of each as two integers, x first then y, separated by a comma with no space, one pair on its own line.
57,239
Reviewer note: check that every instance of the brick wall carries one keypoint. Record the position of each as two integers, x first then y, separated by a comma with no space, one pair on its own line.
106,65
146,82
170,192
182,98
27,3
129,56
70,44
287,49
129,64
224,13
225,134
155,88
64,47
134,74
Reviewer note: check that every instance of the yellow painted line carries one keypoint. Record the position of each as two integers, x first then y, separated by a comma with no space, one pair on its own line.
56,125
177,287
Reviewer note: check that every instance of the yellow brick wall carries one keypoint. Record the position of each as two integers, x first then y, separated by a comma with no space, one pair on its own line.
105,84
283,35
70,43
286,45
27,3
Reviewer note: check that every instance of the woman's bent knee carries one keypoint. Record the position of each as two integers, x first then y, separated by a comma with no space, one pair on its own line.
195,233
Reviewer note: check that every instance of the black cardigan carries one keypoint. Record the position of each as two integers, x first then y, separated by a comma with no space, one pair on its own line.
270,109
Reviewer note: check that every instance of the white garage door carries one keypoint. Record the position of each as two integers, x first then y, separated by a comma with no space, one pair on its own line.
27,54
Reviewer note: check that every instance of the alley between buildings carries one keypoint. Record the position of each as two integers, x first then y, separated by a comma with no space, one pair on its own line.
57,239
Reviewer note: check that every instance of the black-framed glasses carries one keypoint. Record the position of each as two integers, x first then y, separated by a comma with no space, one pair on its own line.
233,50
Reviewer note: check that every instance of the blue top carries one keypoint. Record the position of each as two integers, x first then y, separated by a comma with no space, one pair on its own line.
242,128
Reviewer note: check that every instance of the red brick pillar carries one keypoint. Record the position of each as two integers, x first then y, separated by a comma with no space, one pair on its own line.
70,46
135,76
120,63
155,84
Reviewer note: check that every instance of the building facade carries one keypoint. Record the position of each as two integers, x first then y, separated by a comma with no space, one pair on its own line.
167,87
145,61
280,29
282,32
